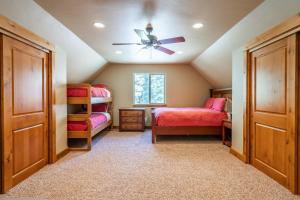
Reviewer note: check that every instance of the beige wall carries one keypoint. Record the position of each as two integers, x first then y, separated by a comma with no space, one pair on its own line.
61,99
28,14
215,63
82,60
184,85
268,14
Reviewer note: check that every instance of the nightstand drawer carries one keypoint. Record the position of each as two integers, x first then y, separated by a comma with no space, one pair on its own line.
131,119
132,126
131,113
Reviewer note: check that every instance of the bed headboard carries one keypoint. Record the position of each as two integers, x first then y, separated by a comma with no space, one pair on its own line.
226,93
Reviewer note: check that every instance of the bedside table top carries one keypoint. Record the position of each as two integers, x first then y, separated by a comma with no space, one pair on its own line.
132,108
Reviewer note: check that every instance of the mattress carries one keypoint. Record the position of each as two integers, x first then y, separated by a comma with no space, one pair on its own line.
188,117
96,120
83,92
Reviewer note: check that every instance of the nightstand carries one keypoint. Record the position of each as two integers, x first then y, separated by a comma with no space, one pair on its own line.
226,132
131,119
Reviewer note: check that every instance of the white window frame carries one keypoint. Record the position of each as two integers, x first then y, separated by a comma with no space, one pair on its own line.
150,104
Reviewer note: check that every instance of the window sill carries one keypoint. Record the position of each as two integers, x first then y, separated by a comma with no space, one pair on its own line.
150,105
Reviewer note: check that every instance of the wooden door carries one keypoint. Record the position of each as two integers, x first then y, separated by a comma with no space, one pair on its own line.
25,143
272,124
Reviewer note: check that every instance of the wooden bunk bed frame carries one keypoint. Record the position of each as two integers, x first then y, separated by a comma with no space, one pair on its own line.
191,130
89,133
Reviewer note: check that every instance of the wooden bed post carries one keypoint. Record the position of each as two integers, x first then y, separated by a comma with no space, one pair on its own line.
153,128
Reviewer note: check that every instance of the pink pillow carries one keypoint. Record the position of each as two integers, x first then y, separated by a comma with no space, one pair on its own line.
209,103
219,104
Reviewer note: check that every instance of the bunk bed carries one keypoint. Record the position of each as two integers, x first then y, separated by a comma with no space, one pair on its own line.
94,115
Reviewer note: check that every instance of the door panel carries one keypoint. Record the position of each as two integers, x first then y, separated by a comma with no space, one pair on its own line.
27,94
25,71
271,68
27,147
273,110
270,147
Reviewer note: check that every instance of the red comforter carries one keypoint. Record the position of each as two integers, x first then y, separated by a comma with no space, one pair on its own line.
96,119
83,92
188,117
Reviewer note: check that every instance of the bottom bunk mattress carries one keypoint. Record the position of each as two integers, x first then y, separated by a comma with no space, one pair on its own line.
188,117
96,120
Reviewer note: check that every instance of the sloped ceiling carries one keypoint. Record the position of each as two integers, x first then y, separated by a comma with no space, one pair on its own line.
82,60
215,64
169,17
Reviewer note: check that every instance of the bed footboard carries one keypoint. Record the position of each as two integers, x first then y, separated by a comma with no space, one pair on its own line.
154,125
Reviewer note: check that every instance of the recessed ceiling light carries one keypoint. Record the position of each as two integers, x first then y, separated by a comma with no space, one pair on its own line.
197,25
179,52
118,52
99,25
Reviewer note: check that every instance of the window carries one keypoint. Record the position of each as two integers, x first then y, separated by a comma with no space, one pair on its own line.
149,89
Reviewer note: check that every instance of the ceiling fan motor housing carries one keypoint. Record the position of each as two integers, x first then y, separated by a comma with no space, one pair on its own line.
149,28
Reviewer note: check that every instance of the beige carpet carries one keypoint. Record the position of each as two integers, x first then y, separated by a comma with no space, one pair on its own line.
127,166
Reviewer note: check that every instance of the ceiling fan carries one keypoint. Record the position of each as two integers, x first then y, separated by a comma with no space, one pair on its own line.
149,40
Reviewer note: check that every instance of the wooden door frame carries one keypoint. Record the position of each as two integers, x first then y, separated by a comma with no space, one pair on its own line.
13,30
285,29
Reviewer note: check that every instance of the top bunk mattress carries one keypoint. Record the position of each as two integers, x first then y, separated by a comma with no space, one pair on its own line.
83,92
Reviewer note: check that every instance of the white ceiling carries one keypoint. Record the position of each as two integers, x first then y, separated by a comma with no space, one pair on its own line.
170,18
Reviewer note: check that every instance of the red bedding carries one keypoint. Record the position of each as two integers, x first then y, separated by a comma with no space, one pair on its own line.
188,117
96,119
82,92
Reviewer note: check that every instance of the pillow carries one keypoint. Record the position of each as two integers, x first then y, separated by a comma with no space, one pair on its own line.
219,104
209,103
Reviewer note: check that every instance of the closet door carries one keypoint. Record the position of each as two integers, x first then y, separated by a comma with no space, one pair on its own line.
25,90
272,144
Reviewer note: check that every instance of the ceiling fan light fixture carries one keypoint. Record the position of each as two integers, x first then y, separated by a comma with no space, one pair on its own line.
197,25
99,25
179,52
118,52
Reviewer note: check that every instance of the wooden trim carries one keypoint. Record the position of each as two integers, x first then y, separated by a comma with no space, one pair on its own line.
285,27
52,111
297,131
62,154
13,28
78,134
240,156
246,105
292,124
1,115
149,105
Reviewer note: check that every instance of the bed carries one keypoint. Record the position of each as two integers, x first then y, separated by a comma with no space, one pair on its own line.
192,121
95,114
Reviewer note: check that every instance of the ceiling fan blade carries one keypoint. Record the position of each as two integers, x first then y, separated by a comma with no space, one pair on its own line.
165,50
171,40
142,34
126,43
